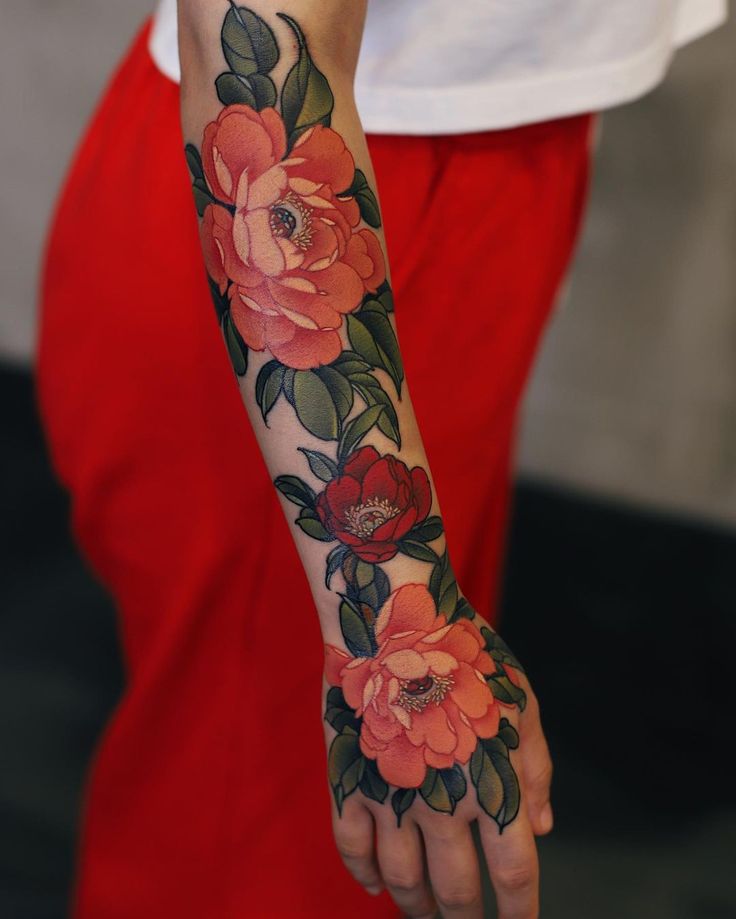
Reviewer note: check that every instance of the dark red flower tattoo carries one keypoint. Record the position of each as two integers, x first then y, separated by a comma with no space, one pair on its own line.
374,503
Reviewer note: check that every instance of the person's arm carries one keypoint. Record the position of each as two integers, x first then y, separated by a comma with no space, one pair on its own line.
422,699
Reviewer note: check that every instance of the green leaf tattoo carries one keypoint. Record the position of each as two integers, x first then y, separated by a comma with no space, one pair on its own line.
493,776
306,98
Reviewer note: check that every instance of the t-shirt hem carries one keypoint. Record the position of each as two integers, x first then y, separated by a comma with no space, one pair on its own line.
697,18
495,106
509,104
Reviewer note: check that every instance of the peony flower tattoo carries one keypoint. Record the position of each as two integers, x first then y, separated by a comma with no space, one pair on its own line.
423,697
419,694
374,503
286,245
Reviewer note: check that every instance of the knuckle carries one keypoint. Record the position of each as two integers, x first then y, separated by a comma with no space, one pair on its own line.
542,774
352,850
516,878
405,882
457,896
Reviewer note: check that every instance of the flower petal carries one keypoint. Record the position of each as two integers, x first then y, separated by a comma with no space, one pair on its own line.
335,660
326,159
469,692
409,608
432,727
406,664
361,461
402,764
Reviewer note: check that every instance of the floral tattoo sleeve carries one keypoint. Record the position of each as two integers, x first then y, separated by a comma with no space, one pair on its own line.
418,690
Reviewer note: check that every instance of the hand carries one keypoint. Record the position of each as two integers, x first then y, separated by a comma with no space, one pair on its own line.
392,720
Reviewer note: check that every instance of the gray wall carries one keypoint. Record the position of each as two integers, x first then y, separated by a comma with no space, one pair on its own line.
635,391
54,59
634,394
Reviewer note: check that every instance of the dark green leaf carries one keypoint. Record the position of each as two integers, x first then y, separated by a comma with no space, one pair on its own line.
443,788
322,466
463,610
435,578
365,595
289,375
495,781
334,562
202,196
508,734
194,161
338,713
362,380
220,301
306,97
248,43
314,406
499,650
428,531
382,587
366,583
268,385
234,90
448,600
263,89
374,394
349,362
389,427
310,523
371,304
349,566
339,388
294,490
383,334
386,298
401,800
345,765
372,336
236,347
417,550
355,632
364,573
362,341
506,691
356,430
448,589
372,784
365,198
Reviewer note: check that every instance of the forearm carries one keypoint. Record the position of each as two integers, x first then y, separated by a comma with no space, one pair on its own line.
346,360
295,255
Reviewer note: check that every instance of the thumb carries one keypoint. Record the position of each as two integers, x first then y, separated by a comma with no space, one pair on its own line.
536,767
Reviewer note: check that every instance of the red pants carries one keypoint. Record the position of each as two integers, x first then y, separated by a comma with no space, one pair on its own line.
208,797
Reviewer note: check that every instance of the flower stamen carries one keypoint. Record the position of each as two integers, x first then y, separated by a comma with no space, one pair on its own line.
292,219
363,519
416,695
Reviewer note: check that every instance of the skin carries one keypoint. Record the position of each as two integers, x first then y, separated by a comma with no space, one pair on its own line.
429,861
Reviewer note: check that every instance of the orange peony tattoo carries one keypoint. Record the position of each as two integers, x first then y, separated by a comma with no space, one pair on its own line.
418,695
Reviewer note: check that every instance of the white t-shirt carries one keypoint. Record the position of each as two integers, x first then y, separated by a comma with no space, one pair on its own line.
447,66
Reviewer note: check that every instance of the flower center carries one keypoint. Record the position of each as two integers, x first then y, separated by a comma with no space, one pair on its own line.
416,695
362,519
292,219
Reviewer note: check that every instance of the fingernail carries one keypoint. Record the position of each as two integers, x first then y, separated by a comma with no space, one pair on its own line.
374,891
546,818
